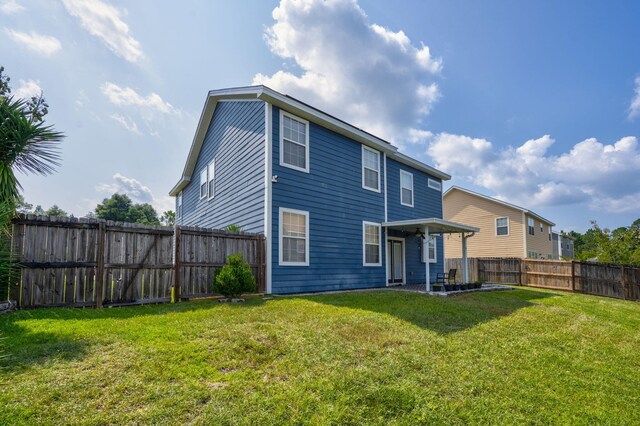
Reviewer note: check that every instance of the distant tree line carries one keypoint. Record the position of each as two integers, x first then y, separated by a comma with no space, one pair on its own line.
621,245
119,207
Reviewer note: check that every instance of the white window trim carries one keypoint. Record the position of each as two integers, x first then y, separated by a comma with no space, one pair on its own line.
179,205
403,172
434,184
508,227
281,262
306,151
210,178
366,148
364,244
203,172
425,253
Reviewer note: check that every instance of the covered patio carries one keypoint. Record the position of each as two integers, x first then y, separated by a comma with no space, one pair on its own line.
426,227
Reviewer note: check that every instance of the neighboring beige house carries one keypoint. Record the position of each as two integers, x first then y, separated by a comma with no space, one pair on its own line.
506,230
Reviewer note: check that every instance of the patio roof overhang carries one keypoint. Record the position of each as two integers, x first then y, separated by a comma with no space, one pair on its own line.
435,225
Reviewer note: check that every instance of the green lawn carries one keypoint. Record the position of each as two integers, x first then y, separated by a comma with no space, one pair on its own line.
379,357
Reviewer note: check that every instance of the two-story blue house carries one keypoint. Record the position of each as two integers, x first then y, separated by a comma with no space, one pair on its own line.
340,208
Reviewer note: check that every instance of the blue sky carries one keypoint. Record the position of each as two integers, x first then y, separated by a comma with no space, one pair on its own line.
535,102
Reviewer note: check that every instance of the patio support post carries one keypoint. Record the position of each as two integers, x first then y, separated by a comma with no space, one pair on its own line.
425,250
465,263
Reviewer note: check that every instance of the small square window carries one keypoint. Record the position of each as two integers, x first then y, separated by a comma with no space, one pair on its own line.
434,184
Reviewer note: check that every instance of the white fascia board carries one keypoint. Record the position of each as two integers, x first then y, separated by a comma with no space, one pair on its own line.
203,124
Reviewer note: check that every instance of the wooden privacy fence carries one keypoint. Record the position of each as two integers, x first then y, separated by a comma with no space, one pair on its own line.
599,279
90,262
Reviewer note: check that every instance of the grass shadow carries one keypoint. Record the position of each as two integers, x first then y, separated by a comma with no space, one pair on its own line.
442,315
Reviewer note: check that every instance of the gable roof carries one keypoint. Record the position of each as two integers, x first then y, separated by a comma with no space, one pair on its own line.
298,108
504,203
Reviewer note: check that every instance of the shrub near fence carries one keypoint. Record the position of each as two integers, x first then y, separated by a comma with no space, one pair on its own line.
599,279
89,262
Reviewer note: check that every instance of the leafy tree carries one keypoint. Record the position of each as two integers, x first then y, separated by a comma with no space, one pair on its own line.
168,218
56,211
22,206
143,213
114,208
39,211
37,107
5,89
120,208
621,246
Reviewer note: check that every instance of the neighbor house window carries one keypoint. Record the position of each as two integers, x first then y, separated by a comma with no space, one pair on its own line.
179,205
203,183
434,184
502,226
532,226
541,228
294,142
370,169
406,188
371,243
431,249
294,237
211,172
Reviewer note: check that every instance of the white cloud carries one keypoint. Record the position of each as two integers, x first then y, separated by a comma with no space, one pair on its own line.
362,72
126,96
28,89
103,20
127,123
41,44
634,108
591,172
138,192
10,7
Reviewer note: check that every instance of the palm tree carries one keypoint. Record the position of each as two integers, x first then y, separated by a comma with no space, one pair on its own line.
26,145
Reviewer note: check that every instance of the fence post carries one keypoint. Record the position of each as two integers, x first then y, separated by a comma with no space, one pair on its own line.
573,275
625,287
520,272
176,264
102,236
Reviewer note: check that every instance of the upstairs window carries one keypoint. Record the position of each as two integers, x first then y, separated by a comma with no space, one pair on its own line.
541,228
211,169
371,243
532,226
294,142
370,169
434,184
406,188
179,205
203,183
502,226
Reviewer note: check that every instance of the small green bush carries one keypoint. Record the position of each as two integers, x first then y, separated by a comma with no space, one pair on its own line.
235,278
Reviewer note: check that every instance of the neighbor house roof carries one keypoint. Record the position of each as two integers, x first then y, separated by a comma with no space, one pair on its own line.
504,203
295,107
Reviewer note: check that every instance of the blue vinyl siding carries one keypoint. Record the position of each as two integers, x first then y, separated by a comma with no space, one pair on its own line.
235,139
332,193
427,202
